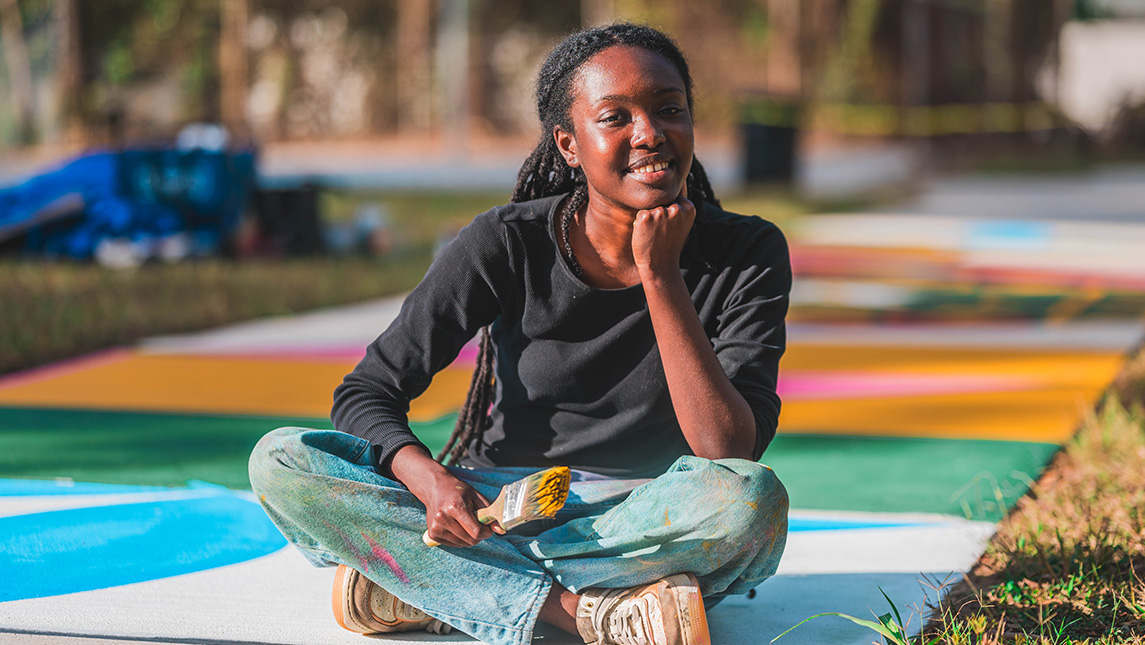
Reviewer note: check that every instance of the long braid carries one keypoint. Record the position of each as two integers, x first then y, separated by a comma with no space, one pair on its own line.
545,173
474,415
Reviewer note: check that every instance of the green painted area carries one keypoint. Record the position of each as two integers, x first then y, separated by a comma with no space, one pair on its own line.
969,478
141,448
977,479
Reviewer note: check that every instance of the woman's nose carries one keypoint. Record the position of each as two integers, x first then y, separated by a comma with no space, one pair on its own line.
646,133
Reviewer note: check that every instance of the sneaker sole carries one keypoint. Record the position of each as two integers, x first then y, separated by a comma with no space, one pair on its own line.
345,614
684,596
341,600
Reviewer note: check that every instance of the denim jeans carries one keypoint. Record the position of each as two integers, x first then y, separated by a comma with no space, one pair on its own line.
724,521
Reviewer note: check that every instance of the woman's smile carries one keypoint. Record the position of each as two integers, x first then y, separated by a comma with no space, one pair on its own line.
651,170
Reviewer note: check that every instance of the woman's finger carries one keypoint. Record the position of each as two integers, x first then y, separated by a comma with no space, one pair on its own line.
443,538
467,520
450,533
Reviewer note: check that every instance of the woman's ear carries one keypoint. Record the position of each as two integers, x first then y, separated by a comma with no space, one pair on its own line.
566,144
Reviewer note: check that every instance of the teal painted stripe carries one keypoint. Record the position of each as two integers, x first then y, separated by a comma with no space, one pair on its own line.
968,478
152,449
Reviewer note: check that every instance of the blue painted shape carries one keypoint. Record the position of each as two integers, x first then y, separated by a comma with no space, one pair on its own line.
797,524
1009,234
17,487
47,554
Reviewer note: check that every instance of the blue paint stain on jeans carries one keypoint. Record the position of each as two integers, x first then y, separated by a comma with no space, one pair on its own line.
58,552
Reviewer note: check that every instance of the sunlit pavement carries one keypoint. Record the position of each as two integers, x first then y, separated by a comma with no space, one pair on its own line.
936,362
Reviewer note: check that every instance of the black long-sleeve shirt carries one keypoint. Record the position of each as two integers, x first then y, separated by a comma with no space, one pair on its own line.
579,380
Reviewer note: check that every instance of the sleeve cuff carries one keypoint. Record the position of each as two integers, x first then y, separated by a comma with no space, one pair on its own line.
384,452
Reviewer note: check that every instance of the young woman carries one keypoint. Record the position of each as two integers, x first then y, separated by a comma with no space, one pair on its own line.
629,329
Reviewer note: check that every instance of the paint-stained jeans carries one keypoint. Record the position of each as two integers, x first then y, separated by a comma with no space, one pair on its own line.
723,520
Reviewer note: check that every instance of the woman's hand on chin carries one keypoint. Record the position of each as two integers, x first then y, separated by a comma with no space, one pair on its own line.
658,237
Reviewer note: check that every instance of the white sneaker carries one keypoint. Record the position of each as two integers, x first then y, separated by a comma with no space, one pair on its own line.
363,607
669,611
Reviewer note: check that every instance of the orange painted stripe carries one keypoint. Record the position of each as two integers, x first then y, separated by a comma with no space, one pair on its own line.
1048,416
212,385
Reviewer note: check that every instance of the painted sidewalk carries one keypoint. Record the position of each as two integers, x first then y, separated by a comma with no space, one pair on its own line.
908,428
880,483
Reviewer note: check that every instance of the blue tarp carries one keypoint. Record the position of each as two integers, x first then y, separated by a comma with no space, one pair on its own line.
137,195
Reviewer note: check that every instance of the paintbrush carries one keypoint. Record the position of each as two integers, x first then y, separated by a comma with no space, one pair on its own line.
535,497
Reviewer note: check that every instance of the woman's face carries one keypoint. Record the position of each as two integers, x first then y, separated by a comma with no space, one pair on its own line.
632,131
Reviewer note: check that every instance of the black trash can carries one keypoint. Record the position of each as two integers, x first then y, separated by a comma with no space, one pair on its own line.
770,129
290,220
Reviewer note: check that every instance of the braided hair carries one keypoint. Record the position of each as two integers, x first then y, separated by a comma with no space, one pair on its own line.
545,173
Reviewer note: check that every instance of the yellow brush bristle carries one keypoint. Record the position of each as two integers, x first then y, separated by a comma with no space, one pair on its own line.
550,493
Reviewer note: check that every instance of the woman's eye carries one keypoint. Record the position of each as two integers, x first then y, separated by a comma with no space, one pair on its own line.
611,118
674,109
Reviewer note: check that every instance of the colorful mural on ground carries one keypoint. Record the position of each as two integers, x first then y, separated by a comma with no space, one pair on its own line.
124,473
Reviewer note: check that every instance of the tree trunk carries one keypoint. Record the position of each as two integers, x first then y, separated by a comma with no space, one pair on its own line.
453,71
414,63
999,52
19,69
783,48
233,68
69,70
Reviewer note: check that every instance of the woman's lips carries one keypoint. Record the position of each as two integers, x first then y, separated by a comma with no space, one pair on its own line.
651,173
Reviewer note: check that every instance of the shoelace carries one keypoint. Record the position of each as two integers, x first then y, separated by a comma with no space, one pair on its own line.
438,627
627,623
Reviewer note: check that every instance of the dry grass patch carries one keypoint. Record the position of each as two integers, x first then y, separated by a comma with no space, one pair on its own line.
1068,564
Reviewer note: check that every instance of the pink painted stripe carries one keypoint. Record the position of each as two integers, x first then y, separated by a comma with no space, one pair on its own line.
65,367
847,385
332,356
466,358
354,352
468,355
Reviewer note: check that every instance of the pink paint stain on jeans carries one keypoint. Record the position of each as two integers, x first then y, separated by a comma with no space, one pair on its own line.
350,546
385,556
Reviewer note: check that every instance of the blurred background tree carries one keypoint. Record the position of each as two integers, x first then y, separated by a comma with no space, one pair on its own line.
102,71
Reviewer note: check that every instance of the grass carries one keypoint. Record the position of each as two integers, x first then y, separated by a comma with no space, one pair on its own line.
1068,564
57,310
52,311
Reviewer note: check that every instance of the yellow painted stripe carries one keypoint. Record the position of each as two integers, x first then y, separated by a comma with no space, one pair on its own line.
212,385
1081,369
1048,416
